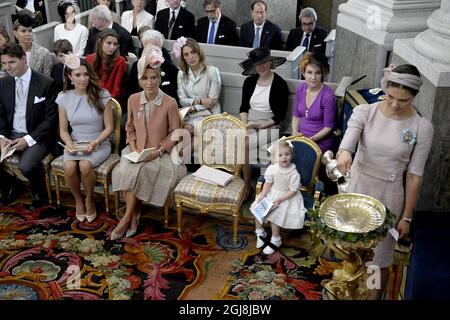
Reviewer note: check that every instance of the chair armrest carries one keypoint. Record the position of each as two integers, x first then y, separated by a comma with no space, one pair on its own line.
259,184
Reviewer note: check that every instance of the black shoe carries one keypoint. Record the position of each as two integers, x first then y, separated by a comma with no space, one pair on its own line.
38,201
12,193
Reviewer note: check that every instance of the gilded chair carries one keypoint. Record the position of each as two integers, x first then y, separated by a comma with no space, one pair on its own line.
11,165
103,171
307,157
221,146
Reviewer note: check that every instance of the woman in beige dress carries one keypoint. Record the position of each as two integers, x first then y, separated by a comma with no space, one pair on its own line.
152,118
392,138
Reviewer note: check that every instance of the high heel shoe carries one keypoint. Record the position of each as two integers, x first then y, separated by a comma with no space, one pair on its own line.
80,216
132,232
91,217
115,235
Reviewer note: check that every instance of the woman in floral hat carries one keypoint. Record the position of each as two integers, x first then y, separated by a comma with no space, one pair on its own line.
392,141
152,118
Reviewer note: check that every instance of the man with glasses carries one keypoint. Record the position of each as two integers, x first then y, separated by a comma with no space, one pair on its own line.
308,35
215,27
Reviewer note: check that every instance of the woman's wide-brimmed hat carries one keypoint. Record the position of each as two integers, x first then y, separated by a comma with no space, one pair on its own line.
258,56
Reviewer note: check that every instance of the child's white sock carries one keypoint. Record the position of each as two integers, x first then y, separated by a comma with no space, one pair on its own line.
260,232
276,240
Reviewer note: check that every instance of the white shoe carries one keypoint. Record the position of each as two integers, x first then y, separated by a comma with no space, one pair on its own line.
259,241
268,250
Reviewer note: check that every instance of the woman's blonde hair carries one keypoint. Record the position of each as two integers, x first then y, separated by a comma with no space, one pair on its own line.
280,145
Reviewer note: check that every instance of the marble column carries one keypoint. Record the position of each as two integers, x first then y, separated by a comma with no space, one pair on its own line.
366,30
430,53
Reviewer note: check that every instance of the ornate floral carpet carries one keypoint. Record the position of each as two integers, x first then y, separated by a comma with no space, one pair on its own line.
289,274
47,254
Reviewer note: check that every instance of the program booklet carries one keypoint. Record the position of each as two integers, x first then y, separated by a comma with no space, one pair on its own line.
7,151
213,176
139,156
262,209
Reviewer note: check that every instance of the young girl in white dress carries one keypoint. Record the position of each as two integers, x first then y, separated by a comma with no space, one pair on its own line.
282,182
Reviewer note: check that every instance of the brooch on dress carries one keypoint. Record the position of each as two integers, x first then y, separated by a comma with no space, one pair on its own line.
408,136
140,112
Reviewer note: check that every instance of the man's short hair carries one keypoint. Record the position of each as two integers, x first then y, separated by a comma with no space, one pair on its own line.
258,1
308,12
215,3
102,12
62,46
13,50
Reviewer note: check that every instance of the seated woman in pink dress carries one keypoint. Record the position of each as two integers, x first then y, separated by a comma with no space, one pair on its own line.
315,106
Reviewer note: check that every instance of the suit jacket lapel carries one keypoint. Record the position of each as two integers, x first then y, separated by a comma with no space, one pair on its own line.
32,91
10,98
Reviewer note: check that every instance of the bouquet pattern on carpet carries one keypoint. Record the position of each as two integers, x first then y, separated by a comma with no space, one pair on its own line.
47,254
288,274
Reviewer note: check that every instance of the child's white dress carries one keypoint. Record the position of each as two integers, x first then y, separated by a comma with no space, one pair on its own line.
290,213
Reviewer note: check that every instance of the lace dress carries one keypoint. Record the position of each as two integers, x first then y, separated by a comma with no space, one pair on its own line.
290,213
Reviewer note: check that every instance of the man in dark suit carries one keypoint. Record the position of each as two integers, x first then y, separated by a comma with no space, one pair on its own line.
216,28
101,19
308,35
175,21
260,32
28,119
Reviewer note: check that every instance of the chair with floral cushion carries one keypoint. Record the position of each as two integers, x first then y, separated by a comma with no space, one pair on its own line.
221,146
103,171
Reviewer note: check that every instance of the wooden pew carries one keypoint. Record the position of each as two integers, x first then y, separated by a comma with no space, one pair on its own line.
227,58
231,93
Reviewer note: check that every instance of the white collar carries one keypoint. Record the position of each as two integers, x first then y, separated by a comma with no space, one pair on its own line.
26,76
156,102
177,10
261,26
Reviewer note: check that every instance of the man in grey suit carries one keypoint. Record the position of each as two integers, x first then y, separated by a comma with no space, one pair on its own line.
28,120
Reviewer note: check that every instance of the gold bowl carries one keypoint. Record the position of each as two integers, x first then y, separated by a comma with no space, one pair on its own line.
352,212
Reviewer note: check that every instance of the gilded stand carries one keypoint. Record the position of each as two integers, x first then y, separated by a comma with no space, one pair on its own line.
350,224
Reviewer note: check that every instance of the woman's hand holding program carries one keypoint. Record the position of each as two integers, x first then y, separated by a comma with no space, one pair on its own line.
71,146
344,161
209,102
153,155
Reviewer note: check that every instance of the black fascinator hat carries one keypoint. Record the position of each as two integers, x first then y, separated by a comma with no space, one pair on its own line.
258,56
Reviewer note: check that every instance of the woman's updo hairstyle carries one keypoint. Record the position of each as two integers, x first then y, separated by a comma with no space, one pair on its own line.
317,59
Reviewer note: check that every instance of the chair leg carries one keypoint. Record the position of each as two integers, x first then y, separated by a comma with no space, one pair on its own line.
179,215
49,187
58,198
235,213
106,194
166,215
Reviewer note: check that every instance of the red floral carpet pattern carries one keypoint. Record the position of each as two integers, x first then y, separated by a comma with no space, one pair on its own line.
288,274
47,254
